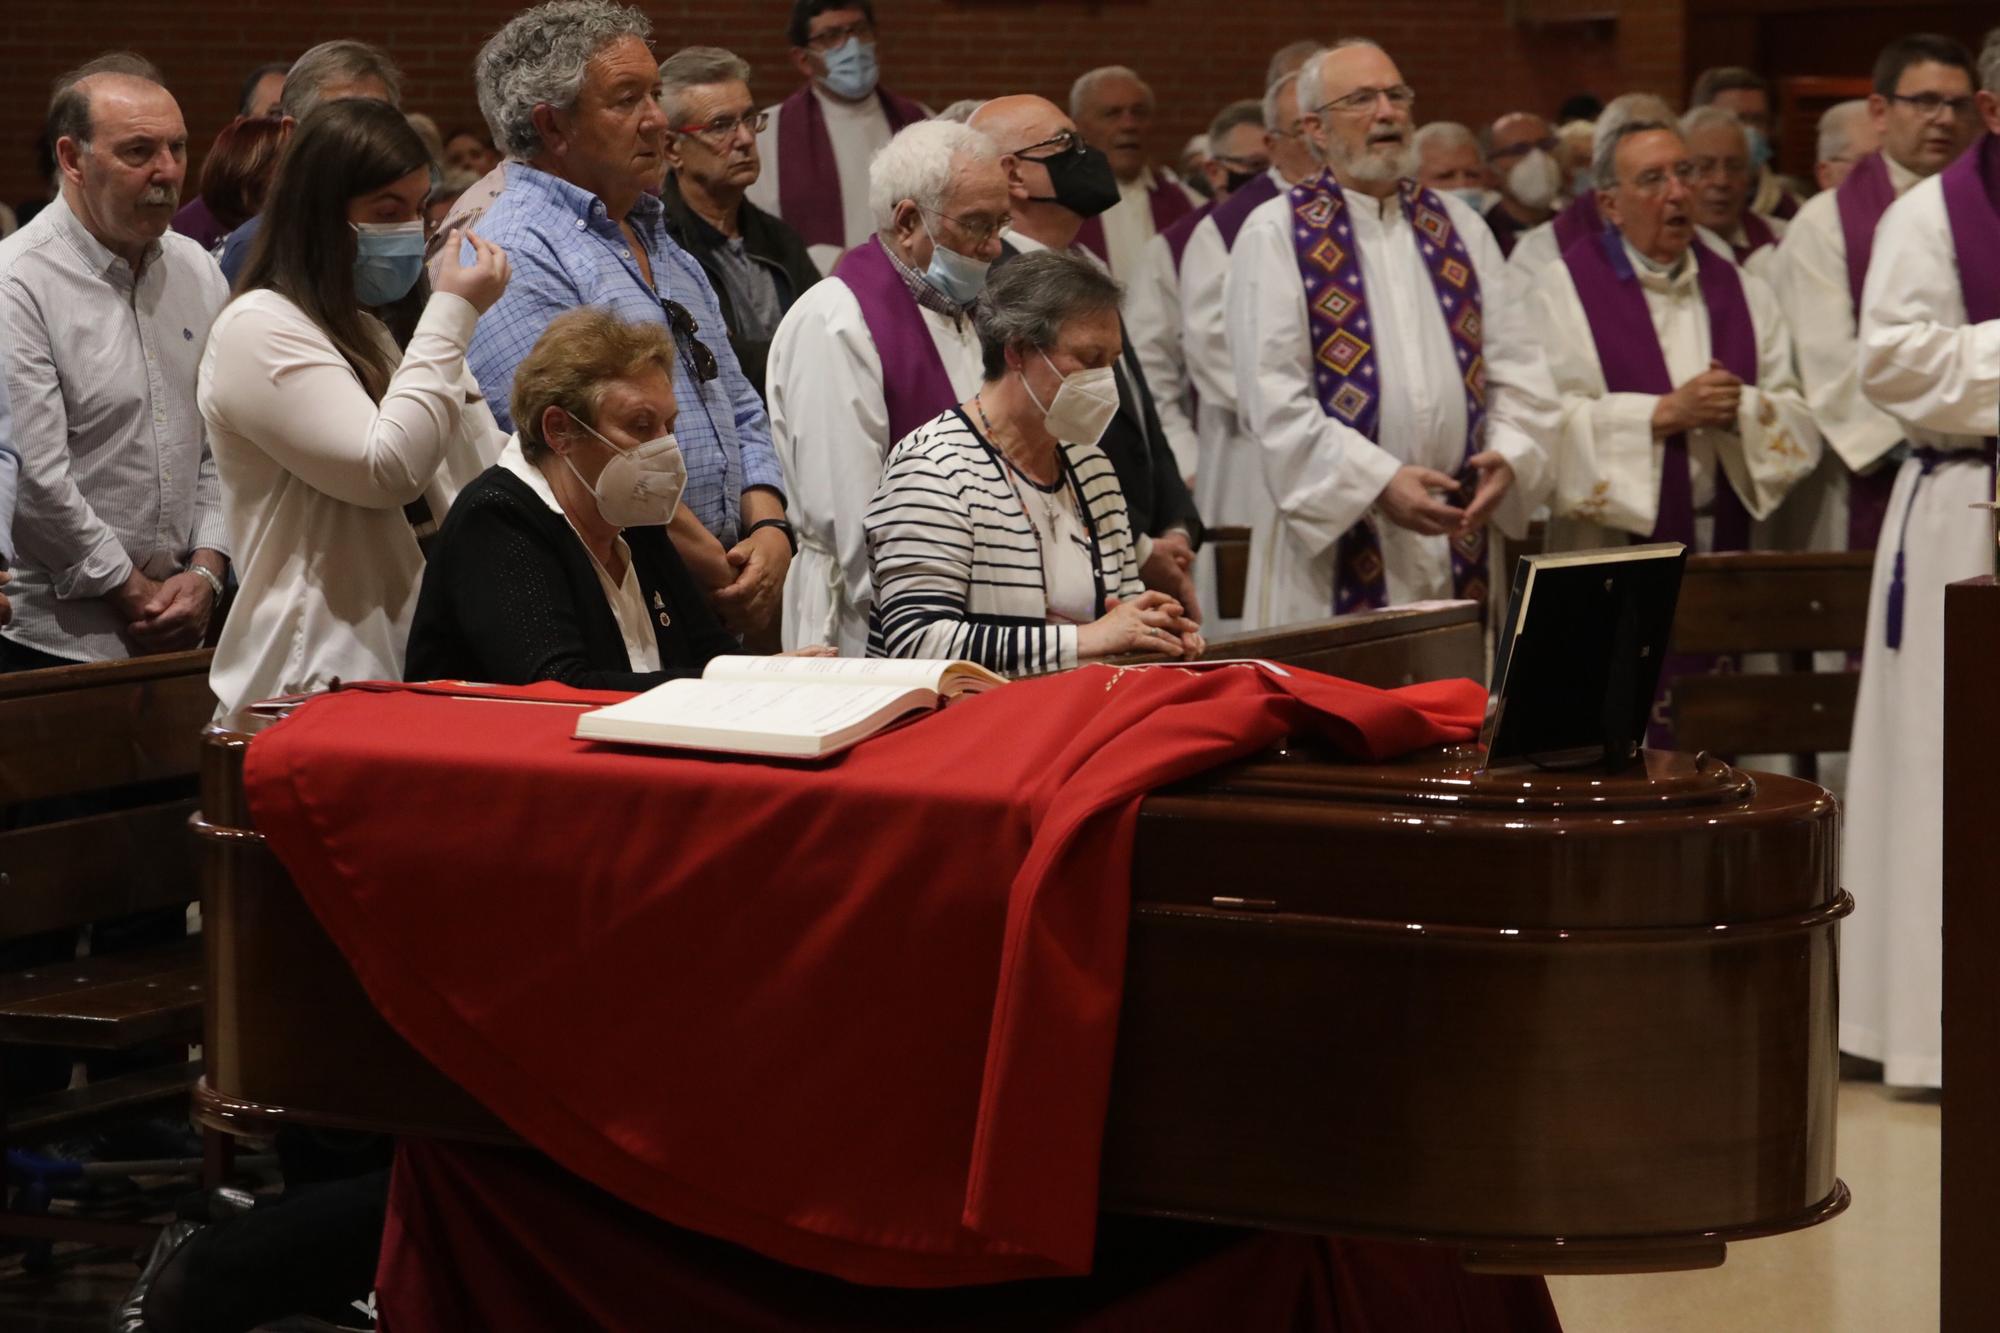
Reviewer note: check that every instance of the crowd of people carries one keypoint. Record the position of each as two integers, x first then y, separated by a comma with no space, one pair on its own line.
639,373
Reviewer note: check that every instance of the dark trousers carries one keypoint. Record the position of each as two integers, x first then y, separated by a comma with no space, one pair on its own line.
20,657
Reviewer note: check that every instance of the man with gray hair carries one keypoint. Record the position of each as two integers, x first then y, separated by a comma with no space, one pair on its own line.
1521,156
1930,319
120,548
876,351
1538,247
757,265
1449,161
1113,110
1845,134
569,89
1382,367
1719,145
329,72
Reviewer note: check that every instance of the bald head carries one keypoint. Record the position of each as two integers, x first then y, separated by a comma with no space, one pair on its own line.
123,157
1021,121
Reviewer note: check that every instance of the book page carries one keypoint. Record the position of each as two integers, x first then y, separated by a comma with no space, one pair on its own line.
937,675
704,713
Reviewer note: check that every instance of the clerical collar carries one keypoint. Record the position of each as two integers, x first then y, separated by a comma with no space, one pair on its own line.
927,296
1646,266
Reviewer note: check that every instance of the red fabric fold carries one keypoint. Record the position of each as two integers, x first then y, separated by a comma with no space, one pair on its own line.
858,1017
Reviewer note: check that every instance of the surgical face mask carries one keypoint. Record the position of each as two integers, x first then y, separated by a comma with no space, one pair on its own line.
851,71
1475,199
1536,179
1084,404
388,260
1760,147
640,487
1081,180
959,277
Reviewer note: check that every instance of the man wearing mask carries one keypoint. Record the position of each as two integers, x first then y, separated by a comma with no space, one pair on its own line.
877,350
1748,94
757,265
1449,161
820,139
1054,182
1381,366
1922,111
1719,145
1113,110
1521,154
1229,474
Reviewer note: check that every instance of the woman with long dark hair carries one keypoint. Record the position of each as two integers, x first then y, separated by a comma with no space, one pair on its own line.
337,449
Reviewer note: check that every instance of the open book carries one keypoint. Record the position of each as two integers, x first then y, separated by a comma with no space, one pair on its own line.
799,707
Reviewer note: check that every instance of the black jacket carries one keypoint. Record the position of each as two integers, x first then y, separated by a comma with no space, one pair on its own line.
1156,496
768,241
510,597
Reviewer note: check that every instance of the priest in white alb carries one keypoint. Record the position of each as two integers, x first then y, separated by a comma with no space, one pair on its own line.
1382,365
1930,356
1923,114
875,351
1682,418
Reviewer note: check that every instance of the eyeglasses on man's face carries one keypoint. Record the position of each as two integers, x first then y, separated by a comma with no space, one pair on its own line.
978,228
828,39
1062,141
1930,106
724,128
1548,144
1361,101
1653,180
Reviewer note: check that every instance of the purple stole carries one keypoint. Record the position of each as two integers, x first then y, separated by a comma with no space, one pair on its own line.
1177,235
809,198
1757,234
1578,219
1169,203
915,387
1345,375
1862,199
1629,351
1788,206
1233,212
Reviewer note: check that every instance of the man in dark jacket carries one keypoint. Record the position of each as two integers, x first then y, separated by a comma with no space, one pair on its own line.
757,265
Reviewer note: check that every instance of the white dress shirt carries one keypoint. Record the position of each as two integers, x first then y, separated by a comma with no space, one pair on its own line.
315,475
830,423
115,470
858,131
1323,475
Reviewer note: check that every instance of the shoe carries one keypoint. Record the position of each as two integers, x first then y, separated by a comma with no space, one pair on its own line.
132,1315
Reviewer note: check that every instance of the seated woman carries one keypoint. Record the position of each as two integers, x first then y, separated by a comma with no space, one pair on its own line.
999,533
555,564
337,449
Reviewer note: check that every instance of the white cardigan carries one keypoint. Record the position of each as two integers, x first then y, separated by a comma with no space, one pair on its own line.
315,475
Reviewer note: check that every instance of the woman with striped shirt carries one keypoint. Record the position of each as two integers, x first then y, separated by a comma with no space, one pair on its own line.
999,533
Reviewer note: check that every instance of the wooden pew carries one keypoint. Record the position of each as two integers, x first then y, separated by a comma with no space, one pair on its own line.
118,743
1231,547
1793,604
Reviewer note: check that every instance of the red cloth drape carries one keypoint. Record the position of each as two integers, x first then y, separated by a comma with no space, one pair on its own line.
504,1242
858,1017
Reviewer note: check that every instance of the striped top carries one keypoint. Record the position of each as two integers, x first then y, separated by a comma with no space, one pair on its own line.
957,570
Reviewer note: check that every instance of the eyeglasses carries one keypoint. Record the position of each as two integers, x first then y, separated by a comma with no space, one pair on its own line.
1362,100
1063,141
977,230
826,39
1242,163
1547,145
1653,180
701,360
1729,168
1928,105
723,128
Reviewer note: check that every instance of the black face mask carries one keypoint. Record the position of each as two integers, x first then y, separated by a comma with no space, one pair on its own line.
1082,181
1239,179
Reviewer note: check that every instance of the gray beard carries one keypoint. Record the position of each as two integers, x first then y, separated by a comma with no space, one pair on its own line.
1373,168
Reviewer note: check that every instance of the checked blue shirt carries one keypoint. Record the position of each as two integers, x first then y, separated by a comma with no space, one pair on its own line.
567,251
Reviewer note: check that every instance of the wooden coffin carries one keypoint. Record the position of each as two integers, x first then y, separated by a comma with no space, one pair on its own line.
1562,1022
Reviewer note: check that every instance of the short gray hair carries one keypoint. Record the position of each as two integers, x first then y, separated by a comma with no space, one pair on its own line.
1287,59
340,61
961,110
1625,108
540,57
697,67
1086,84
1708,116
1276,91
1027,301
69,105
1836,128
922,163
1246,112
1446,134
1604,158
1989,63
1312,90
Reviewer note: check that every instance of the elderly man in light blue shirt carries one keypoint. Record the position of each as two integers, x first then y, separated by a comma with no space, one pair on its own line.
581,226
121,543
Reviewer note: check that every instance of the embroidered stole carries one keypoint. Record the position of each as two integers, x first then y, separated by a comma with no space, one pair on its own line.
809,197
915,385
1346,375
1166,198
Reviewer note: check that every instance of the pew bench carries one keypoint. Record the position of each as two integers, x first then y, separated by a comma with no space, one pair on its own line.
97,782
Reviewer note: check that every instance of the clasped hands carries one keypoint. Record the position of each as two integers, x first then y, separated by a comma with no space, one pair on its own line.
165,615
1711,399
1412,497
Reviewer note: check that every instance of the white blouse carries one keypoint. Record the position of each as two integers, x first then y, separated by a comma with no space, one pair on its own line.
315,475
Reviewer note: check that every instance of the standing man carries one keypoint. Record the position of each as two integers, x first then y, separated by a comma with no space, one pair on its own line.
1449,161
1930,320
1113,110
1380,365
1054,182
121,544
1521,155
1748,94
878,349
757,265
1846,135
1720,148
1923,114
822,137
581,227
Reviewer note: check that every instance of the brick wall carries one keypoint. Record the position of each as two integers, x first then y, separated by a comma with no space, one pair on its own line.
1463,56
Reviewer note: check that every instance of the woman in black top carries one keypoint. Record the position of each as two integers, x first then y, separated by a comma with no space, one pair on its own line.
555,563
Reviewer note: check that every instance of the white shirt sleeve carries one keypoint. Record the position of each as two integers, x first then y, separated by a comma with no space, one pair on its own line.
1775,444
1522,418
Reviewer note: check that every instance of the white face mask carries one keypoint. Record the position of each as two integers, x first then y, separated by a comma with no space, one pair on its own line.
1084,404
640,487
1536,179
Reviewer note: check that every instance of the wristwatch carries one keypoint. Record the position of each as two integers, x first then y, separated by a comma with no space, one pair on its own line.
208,577
782,525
